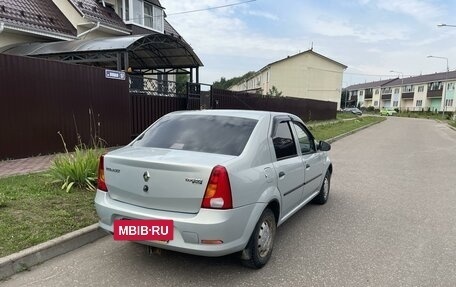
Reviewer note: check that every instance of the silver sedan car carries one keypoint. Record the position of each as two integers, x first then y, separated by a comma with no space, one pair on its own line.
225,179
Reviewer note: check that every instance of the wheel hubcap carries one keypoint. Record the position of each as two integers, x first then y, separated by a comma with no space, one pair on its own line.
264,239
325,188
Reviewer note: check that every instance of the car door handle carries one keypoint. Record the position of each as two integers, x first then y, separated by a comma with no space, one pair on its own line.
281,174
307,165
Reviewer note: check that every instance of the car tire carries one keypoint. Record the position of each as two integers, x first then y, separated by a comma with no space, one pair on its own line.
259,249
323,195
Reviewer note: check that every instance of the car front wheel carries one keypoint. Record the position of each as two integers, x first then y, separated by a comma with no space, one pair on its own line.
259,249
322,197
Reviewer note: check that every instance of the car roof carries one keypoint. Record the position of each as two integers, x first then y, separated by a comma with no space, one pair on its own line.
250,114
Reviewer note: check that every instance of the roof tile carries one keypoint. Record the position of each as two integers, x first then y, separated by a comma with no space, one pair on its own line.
41,15
93,10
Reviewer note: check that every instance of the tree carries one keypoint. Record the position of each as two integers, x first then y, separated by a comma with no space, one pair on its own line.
181,83
274,92
225,84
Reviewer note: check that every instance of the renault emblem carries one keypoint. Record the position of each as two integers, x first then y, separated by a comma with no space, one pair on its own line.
146,176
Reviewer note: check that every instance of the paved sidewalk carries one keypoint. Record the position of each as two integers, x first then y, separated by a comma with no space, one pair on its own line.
25,165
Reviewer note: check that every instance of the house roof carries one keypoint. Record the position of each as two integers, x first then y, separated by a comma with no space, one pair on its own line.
37,15
170,30
155,2
93,10
436,77
368,85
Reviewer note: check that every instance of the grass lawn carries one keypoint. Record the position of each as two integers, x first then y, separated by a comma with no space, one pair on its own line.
332,129
424,115
33,211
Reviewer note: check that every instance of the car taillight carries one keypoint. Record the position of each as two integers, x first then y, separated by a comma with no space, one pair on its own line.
101,176
218,190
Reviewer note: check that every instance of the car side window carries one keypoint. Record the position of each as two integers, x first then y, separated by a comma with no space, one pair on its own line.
284,144
305,139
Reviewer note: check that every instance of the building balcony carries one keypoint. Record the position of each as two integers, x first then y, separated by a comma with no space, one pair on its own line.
368,96
434,93
386,97
408,96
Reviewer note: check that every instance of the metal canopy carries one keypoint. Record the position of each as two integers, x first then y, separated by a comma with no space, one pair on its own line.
145,54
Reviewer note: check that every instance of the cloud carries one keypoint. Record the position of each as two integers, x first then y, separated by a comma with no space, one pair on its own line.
216,32
263,14
421,10
331,26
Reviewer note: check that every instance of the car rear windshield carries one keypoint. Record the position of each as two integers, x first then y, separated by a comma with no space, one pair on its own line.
211,134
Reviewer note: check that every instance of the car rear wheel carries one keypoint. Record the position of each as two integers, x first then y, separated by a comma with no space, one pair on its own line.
259,249
322,197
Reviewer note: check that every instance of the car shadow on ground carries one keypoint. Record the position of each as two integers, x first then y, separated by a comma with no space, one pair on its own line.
291,235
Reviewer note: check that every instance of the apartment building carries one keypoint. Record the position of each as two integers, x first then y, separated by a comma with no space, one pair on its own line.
431,92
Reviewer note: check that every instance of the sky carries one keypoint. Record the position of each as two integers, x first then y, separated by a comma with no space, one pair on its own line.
371,37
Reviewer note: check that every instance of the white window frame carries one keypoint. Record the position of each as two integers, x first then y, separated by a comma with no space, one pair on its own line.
419,103
157,15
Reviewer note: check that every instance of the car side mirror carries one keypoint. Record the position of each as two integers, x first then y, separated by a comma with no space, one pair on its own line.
324,146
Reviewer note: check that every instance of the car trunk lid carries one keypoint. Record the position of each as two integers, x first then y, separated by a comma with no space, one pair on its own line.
163,179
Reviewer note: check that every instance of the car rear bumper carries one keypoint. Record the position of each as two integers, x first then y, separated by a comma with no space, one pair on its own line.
233,226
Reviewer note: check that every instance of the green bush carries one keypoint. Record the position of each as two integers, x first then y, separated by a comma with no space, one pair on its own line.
78,168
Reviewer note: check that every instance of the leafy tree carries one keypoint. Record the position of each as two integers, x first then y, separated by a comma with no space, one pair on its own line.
274,92
181,83
226,84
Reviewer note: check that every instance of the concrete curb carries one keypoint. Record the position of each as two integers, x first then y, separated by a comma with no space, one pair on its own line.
40,253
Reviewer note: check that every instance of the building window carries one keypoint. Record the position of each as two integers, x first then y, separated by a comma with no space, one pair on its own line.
419,103
396,90
141,13
375,103
395,103
407,89
148,14
421,89
376,91
435,86
267,76
449,102
360,93
450,86
258,81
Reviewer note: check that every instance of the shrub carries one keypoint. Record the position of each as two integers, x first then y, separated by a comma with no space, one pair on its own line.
78,168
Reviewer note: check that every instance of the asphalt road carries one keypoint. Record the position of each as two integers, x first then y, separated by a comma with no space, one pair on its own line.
390,221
